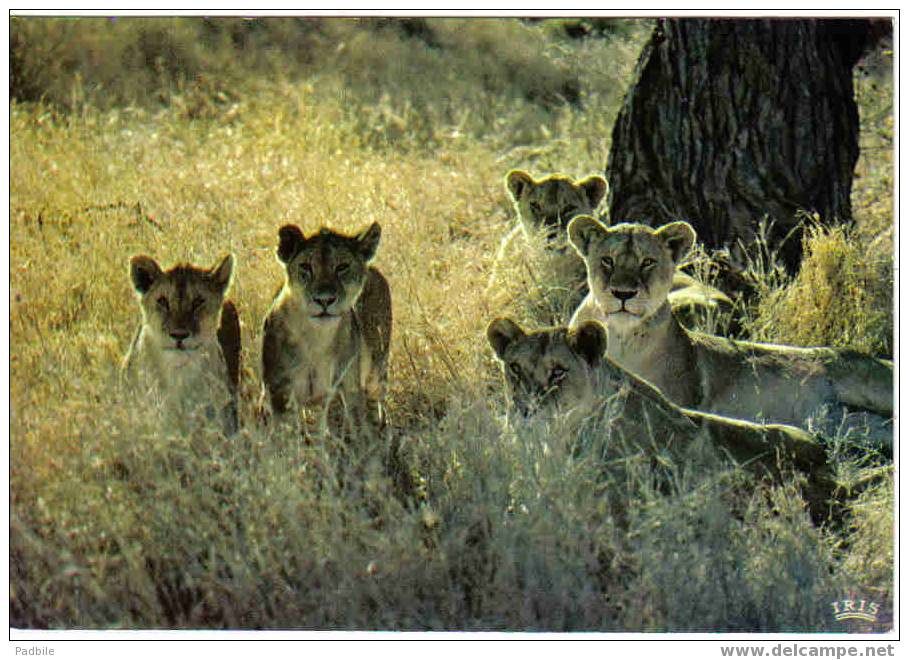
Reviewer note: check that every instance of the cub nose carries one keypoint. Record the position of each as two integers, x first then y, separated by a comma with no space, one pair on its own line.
624,295
179,335
325,299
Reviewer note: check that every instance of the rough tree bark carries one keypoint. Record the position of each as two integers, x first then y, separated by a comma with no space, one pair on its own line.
729,121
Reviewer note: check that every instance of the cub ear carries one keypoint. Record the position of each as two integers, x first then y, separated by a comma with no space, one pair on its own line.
368,241
595,189
678,237
222,274
581,232
290,239
518,182
589,341
143,271
501,333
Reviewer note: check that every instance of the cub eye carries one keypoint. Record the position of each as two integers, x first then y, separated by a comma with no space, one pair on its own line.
340,269
305,270
607,262
162,302
515,368
535,207
648,263
198,303
557,374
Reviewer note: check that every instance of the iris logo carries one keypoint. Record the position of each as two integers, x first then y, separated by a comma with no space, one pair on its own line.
862,610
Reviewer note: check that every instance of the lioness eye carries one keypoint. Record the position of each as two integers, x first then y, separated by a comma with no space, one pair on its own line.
162,302
340,269
515,368
607,262
557,374
305,270
648,263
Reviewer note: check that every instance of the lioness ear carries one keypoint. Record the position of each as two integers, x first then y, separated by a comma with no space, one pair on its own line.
143,271
368,241
501,333
595,188
678,237
290,238
223,273
581,232
589,341
518,182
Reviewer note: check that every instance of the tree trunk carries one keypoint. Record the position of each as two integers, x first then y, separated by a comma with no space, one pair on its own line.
730,121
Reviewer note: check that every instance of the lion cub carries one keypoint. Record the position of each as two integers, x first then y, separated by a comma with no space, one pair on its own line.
186,352
327,334
544,209
547,205
564,372
629,271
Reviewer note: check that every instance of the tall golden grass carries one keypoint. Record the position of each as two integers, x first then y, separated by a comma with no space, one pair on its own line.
448,521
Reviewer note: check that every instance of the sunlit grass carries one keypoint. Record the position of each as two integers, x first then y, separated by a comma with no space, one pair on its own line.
448,521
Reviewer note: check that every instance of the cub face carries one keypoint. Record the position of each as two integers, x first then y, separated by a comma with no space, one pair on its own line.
547,205
629,266
547,371
181,307
327,270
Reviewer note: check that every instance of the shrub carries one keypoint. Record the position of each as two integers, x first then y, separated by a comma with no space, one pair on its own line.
842,296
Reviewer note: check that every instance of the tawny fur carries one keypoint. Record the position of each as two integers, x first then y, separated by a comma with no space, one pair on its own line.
327,334
565,373
544,207
186,352
630,269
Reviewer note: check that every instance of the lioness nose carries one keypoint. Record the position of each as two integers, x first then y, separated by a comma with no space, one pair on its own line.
179,335
624,295
325,299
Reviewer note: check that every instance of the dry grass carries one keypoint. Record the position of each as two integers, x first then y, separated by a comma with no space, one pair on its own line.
843,296
448,522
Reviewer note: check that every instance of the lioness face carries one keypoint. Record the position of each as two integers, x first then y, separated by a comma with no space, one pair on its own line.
546,206
181,307
630,266
547,371
327,270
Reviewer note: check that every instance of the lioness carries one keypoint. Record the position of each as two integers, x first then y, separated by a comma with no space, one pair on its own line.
565,371
544,207
327,334
629,271
186,351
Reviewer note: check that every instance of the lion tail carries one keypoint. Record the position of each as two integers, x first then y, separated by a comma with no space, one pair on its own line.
865,382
